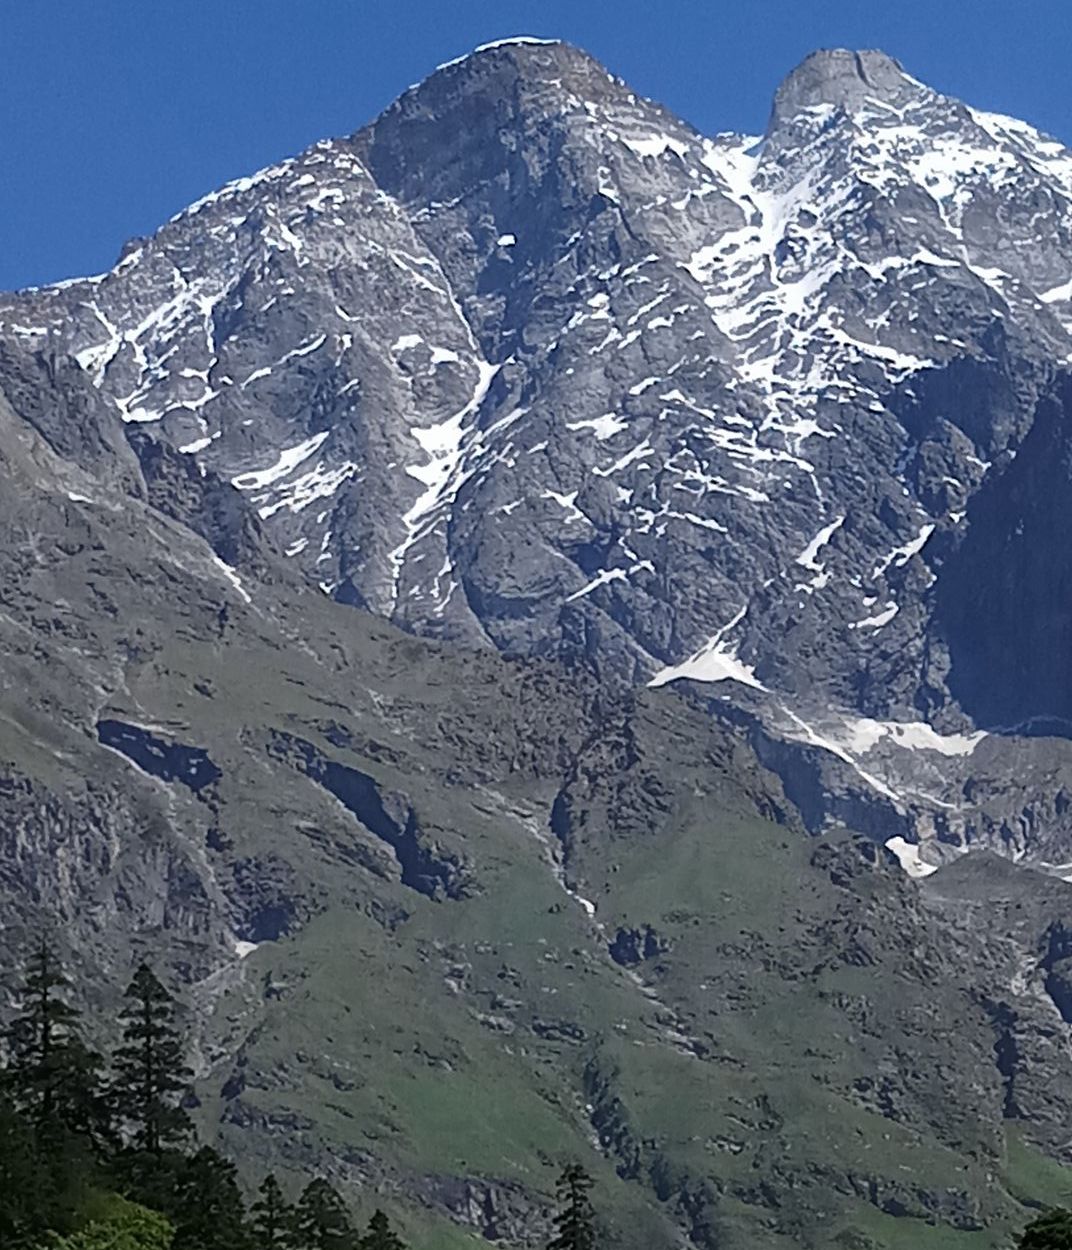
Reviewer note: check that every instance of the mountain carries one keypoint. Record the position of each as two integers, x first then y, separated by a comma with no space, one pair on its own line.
530,363
351,517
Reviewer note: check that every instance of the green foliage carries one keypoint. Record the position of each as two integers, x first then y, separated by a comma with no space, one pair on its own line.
131,1227
150,1076
54,1123
208,1210
60,1162
24,1199
60,1165
53,1077
148,1178
323,1222
1050,1231
380,1235
272,1217
575,1221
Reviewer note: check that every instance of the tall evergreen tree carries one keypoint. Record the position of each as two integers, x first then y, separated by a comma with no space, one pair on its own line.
273,1217
323,1222
380,1235
53,1076
24,1198
575,1222
47,1176
1052,1230
209,1213
150,1076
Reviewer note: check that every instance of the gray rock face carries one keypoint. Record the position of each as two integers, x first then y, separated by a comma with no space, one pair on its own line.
528,362
844,80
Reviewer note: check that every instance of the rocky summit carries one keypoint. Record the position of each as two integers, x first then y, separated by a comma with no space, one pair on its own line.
451,572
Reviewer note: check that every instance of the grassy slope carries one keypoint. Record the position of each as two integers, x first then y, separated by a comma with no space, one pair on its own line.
408,1042
415,1050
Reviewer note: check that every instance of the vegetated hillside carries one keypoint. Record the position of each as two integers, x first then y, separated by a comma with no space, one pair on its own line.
442,919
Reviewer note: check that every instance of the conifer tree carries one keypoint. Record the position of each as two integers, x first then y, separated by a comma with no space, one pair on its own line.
273,1217
1052,1230
53,1075
23,1186
208,1210
150,1076
380,1235
575,1222
47,1175
323,1222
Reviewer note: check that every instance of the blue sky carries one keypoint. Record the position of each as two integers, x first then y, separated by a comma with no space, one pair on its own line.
114,114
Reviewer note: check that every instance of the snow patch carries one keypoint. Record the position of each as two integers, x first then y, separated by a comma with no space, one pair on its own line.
715,661
444,445
656,145
232,577
803,732
909,857
286,462
808,558
878,620
901,555
601,579
603,427
199,444
862,734
320,482
513,41
304,350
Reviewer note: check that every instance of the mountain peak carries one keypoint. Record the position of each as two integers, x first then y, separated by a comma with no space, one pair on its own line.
541,64
528,57
844,79
454,120
513,42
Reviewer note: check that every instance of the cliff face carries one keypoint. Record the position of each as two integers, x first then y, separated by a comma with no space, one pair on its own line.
1002,601
529,363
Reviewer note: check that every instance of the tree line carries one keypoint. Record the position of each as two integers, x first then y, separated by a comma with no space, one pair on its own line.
100,1153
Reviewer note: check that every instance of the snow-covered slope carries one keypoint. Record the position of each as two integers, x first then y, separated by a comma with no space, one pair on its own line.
531,362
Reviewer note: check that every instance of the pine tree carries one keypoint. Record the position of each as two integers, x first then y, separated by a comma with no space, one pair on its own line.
150,1076
1052,1230
380,1235
209,1213
323,1222
575,1222
47,1176
273,1217
53,1075
24,1198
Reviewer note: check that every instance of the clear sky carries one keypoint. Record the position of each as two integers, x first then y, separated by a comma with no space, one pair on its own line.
114,114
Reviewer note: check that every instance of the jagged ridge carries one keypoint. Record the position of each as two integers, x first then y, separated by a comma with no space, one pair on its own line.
530,362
